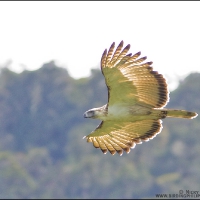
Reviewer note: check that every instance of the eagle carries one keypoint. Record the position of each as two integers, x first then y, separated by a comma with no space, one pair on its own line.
137,96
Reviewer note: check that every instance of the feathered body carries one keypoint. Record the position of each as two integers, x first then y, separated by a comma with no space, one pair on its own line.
136,99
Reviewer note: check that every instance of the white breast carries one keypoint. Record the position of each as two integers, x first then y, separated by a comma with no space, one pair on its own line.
127,113
118,111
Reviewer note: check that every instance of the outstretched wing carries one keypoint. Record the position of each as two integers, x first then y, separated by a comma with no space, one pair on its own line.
131,81
116,136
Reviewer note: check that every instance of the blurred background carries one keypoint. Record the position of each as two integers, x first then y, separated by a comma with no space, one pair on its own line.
50,75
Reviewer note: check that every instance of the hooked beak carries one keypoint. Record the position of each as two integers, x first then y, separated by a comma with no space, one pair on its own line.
85,115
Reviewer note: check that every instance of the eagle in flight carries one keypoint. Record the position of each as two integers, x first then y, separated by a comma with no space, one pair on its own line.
137,96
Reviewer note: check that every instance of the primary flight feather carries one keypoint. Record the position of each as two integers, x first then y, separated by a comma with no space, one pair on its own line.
136,97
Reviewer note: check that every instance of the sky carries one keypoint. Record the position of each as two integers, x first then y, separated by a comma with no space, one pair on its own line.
75,34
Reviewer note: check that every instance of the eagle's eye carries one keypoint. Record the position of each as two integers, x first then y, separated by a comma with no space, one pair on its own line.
89,114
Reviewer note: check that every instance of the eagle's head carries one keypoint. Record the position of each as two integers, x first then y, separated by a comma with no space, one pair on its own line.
92,113
96,113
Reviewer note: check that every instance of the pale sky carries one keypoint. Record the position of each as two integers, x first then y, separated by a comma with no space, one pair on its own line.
75,34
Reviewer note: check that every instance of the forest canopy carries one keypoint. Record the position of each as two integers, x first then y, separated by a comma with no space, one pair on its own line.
43,155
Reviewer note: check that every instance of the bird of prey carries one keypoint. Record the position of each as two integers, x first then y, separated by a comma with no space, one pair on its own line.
137,96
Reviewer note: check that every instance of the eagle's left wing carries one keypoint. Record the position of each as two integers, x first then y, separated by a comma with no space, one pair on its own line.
131,81
116,136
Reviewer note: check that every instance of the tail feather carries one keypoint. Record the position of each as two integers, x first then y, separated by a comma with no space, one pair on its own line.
180,113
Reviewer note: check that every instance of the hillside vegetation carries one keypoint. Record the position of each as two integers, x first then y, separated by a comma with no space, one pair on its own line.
43,155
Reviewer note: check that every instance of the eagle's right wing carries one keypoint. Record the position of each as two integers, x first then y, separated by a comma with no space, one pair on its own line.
116,136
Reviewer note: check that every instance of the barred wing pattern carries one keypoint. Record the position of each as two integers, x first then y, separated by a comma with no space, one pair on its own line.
130,80
118,136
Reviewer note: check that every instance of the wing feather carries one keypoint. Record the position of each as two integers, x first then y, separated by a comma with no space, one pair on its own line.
117,52
110,53
122,136
117,148
95,142
102,145
109,146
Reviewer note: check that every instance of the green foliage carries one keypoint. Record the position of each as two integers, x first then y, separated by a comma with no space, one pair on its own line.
43,155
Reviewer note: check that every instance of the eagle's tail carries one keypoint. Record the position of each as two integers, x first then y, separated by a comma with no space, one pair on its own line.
178,113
